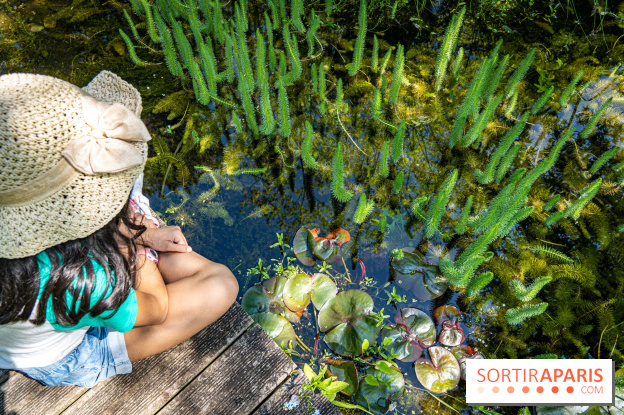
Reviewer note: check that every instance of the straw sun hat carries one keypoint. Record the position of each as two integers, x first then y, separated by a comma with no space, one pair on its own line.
68,158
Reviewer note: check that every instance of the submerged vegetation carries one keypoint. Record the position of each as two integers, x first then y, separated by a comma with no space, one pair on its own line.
476,175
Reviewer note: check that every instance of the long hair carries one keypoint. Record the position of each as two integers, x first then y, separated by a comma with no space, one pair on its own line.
72,271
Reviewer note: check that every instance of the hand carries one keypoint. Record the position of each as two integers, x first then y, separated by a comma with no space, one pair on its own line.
165,239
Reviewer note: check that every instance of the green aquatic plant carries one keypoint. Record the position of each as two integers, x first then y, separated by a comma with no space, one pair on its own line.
524,293
383,170
268,121
131,51
375,55
519,314
414,332
519,74
363,210
574,210
496,78
448,47
479,125
505,163
315,22
358,51
551,202
397,75
605,157
284,110
397,142
441,372
306,148
133,28
338,190
565,95
151,27
460,228
478,283
552,253
542,100
457,63
398,183
438,205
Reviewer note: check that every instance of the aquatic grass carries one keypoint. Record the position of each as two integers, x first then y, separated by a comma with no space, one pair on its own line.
397,75
363,210
448,47
338,190
131,51
460,228
593,121
284,110
358,51
438,204
551,203
397,142
306,148
519,74
398,183
383,170
605,157
565,95
542,100
375,55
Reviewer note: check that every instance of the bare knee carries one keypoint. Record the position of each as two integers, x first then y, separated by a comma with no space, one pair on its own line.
221,285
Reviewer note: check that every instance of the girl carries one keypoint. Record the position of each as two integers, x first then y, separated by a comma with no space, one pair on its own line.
83,293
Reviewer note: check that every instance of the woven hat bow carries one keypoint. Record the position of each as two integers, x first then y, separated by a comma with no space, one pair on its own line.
106,149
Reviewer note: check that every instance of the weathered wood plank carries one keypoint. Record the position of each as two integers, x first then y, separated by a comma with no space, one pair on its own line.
275,404
155,380
4,375
238,381
21,395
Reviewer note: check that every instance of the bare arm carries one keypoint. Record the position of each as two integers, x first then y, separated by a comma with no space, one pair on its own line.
152,298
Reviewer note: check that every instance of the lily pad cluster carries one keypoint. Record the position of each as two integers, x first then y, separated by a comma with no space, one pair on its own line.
413,273
415,332
309,247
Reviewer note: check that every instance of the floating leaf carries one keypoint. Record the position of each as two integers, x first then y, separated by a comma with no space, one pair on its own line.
346,320
339,236
425,281
450,318
302,288
439,374
268,297
462,353
345,371
277,327
301,248
414,332
378,397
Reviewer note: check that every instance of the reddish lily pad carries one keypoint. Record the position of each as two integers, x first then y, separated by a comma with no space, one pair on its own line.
441,373
302,288
450,318
413,332
345,371
301,247
462,353
379,389
413,274
347,321
339,236
268,297
277,327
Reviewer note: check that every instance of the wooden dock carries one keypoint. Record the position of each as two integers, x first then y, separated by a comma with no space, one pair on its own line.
232,367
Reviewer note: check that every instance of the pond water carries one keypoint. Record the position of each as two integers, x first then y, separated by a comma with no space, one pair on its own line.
201,173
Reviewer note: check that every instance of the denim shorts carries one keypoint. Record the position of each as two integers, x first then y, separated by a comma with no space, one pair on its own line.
101,354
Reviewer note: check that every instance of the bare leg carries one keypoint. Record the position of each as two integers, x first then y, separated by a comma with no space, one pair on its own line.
199,290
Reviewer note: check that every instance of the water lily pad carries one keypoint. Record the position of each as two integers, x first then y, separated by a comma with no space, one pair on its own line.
277,327
346,320
439,374
301,247
380,390
339,236
345,371
413,274
302,288
450,318
268,297
462,353
414,332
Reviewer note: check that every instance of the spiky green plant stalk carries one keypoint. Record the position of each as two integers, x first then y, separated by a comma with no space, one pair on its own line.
542,100
275,17
551,203
137,6
496,78
206,8
131,51
485,78
363,210
398,183
195,25
323,108
498,204
284,110
133,28
460,228
306,148
486,176
314,73
478,283
261,72
619,166
293,54
249,171
315,22
606,156
457,62
448,47
524,293
375,55
358,52
574,210
241,39
438,205
565,95
383,161
519,314
268,121
238,125
184,47
340,193
552,253
282,64
376,104
593,121
506,163
339,97
417,207
208,64
218,22
397,142
151,27
229,58
329,6
296,10
199,85
322,84
397,75
519,74
168,47
511,106
384,62
282,11
476,130
245,93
